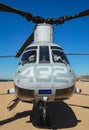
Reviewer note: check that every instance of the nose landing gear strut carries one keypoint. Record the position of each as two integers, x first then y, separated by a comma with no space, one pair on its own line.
42,105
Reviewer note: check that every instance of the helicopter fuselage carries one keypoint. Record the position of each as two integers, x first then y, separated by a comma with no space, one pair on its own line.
44,73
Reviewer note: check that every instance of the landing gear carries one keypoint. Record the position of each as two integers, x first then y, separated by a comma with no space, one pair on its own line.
77,90
44,119
13,104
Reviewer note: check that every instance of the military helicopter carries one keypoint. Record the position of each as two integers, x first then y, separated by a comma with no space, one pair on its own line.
44,73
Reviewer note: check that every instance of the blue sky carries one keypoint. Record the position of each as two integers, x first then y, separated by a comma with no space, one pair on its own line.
72,36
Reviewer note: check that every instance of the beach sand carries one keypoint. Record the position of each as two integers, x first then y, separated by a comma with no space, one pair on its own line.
72,114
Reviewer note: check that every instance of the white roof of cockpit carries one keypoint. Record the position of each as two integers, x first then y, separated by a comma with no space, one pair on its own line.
43,44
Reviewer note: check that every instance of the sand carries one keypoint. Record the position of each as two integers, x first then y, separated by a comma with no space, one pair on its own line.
72,114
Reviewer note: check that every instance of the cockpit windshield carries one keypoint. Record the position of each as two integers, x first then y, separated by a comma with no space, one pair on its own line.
44,54
29,57
59,56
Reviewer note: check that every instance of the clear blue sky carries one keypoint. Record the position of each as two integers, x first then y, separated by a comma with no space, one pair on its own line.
73,36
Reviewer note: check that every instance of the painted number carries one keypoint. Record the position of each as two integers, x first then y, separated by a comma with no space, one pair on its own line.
44,73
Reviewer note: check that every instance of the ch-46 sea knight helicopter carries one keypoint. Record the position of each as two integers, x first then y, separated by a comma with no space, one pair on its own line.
44,73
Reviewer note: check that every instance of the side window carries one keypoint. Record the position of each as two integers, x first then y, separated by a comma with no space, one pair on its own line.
56,56
44,54
29,57
59,56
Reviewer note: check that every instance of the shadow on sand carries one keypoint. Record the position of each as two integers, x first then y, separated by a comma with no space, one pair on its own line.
85,107
60,116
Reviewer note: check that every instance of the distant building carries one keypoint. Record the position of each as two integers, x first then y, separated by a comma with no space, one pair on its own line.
84,78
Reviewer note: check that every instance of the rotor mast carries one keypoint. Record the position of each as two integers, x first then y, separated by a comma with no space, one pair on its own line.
43,33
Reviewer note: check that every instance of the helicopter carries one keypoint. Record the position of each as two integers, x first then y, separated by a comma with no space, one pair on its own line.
44,73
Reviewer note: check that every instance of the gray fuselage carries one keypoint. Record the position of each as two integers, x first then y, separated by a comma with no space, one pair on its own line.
44,71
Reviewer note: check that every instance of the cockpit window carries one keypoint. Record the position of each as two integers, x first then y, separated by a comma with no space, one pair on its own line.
29,57
56,47
59,57
31,47
44,54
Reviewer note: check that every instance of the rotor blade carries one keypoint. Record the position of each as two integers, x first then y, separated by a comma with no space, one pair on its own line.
65,18
10,56
26,43
81,14
84,13
38,19
76,54
6,8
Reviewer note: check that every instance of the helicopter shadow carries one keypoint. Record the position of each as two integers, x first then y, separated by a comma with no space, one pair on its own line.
84,94
85,107
60,116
